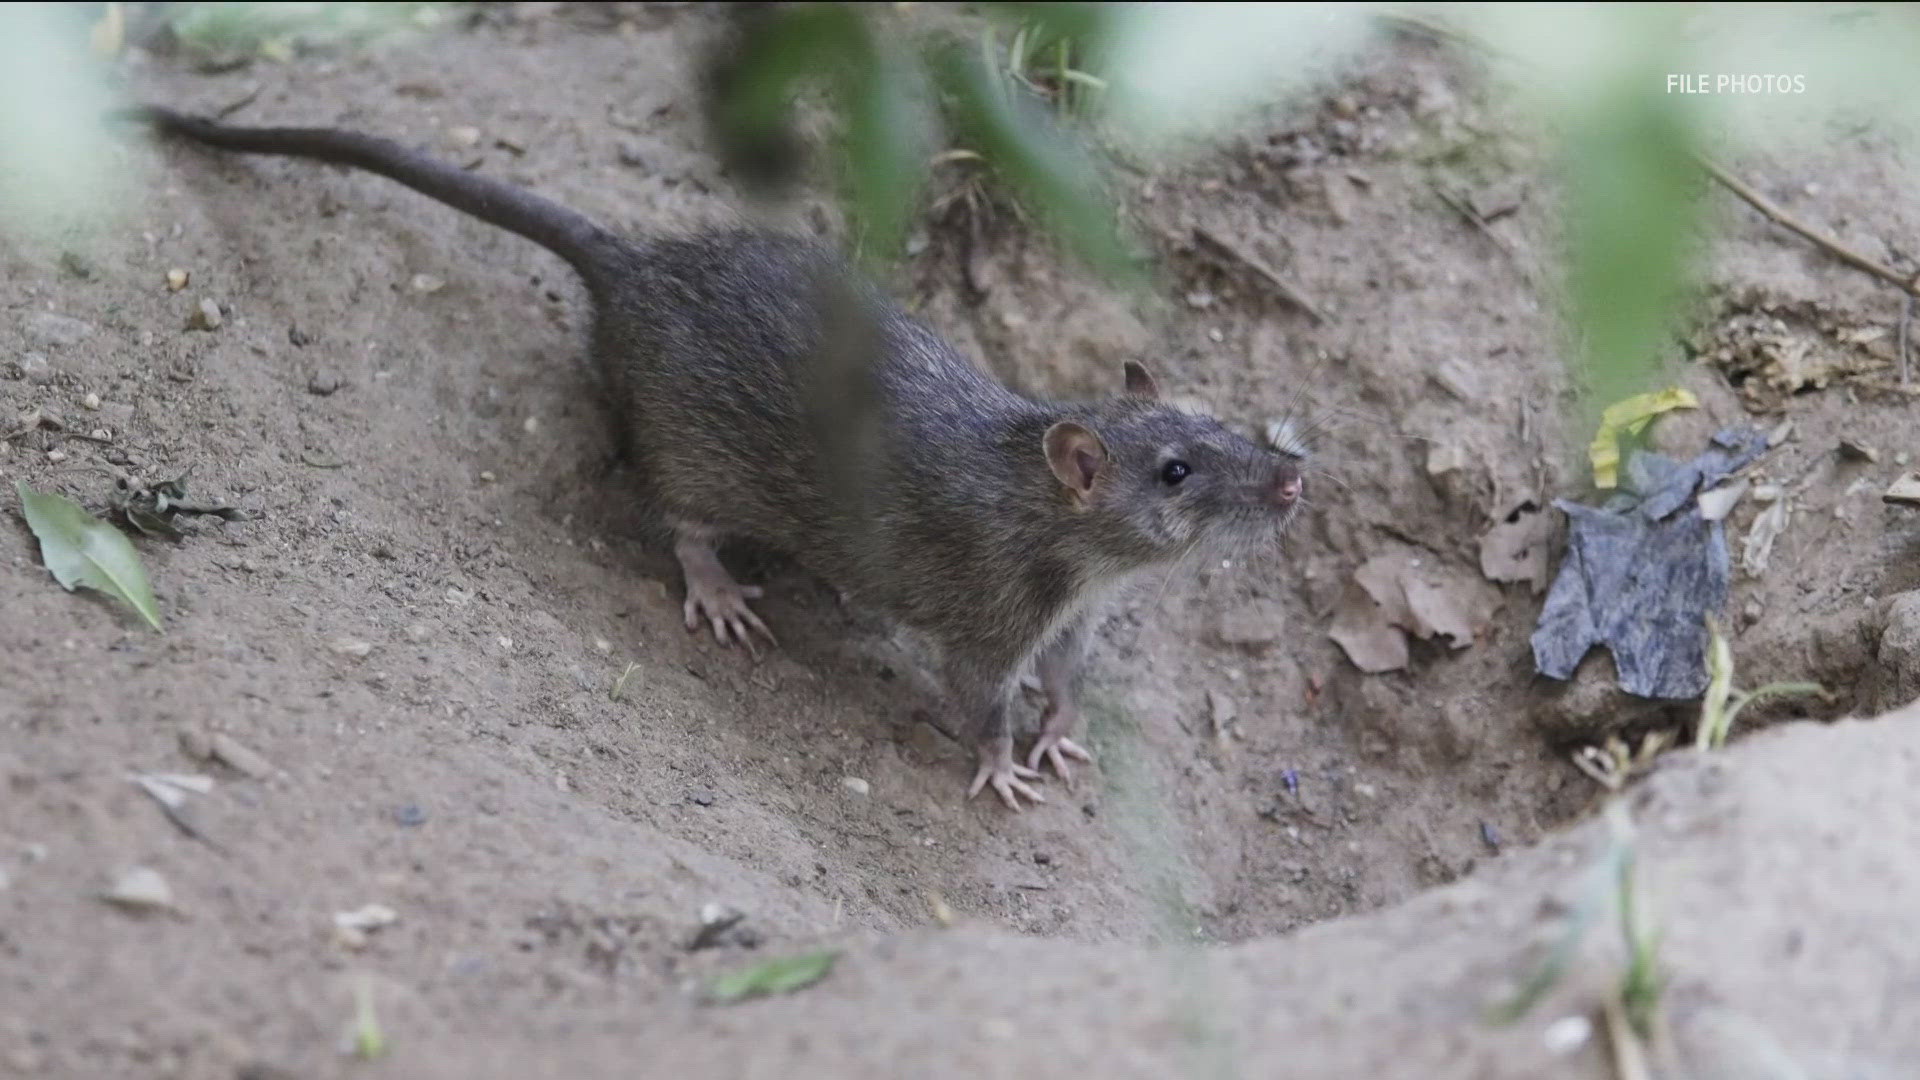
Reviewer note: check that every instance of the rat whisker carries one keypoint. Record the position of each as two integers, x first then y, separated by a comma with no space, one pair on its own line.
1300,386
1330,478
1172,568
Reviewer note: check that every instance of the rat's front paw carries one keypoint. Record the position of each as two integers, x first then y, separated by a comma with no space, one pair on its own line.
998,768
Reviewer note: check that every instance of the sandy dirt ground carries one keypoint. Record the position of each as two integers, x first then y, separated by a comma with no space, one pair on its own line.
1281,866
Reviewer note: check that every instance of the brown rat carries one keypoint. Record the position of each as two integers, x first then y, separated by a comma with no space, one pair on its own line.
993,523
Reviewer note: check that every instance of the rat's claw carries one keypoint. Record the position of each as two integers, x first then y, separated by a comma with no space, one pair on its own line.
1008,780
1055,750
723,606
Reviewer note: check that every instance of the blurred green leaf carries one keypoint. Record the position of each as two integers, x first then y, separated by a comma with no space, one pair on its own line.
779,976
235,27
54,156
80,549
887,144
1046,166
369,1042
875,89
1632,211
1181,72
774,54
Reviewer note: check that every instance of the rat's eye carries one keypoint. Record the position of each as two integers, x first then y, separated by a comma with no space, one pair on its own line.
1174,471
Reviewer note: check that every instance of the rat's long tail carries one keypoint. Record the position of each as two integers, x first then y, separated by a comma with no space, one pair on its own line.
591,250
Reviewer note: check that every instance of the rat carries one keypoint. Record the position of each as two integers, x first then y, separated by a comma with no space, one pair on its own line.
993,523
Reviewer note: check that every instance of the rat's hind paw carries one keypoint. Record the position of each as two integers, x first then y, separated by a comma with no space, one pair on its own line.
712,594
723,604
1008,780
1055,748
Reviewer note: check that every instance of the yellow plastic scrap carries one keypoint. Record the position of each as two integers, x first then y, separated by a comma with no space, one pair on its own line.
1630,416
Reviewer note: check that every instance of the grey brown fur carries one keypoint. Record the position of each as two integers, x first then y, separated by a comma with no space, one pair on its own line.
988,521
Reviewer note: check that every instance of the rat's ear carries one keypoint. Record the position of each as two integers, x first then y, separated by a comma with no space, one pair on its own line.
1075,455
1140,382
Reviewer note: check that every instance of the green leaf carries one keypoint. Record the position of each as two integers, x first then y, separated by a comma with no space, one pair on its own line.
1045,166
1181,74
777,52
80,549
780,976
1632,212
368,1040
886,143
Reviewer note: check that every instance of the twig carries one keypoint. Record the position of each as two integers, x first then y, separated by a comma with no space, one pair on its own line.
238,103
1629,1060
1466,210
1773,213
1906,340
1287,290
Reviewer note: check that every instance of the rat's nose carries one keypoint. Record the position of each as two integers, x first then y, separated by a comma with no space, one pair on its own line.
1285,490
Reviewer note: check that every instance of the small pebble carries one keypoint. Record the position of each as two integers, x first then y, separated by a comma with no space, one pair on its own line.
239,758
602,645
1221,710
1291,780
463,137
856,786
1904,490
410,816
427,284
1042,858
419,632
205,316
176,279
36,369
351,647
91,401
715,921
369,918
140,889
1214,335
487,475
323,383
701,797
1567,1034
530,425
46,329
56,456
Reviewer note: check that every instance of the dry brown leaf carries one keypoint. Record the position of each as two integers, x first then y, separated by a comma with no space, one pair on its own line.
1362,631
1516,549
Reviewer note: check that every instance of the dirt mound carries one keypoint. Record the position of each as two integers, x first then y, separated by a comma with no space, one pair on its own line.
422,633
